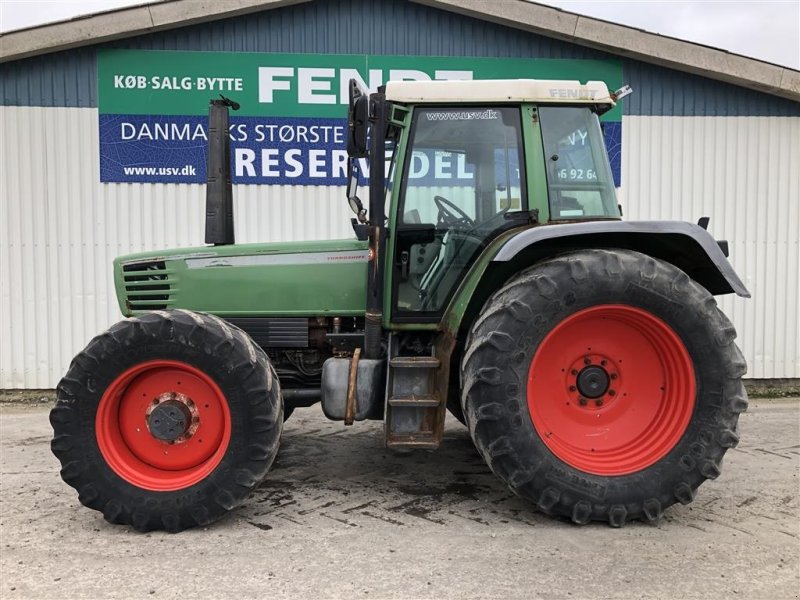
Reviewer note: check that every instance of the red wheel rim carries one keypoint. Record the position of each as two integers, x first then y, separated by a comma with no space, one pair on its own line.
125,416
611,389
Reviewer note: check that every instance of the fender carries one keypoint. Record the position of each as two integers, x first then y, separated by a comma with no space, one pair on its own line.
687,246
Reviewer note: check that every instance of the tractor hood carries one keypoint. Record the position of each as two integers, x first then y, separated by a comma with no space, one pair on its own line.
278,279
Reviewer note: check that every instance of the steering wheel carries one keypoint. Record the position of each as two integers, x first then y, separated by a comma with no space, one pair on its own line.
450,214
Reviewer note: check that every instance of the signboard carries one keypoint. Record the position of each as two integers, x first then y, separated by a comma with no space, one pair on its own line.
153,108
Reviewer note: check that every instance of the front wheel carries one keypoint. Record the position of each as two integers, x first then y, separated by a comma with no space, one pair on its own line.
167,421
603,385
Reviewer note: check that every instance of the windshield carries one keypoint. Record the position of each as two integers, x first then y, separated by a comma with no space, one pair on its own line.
579,178
462,174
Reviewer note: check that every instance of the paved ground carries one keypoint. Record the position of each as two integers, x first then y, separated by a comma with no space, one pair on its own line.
341,517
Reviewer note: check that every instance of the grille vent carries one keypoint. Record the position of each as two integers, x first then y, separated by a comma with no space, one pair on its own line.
148,285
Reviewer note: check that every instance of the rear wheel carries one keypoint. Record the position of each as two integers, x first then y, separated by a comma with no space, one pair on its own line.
167,421
603,385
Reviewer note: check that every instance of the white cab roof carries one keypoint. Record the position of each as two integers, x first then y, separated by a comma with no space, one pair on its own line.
499,91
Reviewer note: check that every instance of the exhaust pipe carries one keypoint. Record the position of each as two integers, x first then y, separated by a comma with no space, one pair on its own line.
219,193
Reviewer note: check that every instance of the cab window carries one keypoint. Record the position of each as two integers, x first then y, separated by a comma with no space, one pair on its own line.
579,178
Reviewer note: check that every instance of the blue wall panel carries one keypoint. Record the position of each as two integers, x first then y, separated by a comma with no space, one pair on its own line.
379,27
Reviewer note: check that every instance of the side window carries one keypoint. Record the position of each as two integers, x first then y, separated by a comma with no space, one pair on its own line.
578,176
462,174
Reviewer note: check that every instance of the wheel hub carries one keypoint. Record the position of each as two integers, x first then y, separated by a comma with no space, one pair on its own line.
592,382
172,418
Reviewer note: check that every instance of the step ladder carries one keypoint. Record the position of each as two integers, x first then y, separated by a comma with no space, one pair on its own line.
414,410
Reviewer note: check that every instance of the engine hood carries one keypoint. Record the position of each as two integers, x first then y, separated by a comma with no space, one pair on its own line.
314,278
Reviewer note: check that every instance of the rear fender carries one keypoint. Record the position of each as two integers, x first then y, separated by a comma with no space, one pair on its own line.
689,247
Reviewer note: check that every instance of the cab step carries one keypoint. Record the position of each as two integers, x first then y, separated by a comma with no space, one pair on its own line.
418,442
414,362
414,401
414,408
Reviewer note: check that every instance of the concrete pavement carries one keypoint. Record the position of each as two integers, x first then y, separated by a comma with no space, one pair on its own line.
341,517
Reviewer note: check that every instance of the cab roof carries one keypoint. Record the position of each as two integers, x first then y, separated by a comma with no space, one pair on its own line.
500,91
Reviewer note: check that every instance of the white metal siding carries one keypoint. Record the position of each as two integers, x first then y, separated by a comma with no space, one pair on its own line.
744,173
60,228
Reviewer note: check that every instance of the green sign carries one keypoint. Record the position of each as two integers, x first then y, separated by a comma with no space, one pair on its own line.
298,85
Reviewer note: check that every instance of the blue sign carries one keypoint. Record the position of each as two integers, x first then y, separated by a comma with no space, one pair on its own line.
267,150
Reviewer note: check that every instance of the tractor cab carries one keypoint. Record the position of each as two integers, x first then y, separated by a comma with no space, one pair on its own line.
467,162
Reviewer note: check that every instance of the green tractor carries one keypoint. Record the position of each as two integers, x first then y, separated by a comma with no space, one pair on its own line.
491,276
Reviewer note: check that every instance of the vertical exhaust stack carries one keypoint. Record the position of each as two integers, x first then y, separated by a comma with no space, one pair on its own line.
219,193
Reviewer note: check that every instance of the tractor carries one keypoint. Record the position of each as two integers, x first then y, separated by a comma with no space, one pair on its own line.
490,275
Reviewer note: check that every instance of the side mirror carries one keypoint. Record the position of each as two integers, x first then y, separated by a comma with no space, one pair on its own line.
352,189
355,205
357,118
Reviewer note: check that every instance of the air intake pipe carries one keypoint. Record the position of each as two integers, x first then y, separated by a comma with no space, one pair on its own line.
219,193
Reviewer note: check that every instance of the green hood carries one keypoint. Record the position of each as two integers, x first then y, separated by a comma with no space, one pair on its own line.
278,279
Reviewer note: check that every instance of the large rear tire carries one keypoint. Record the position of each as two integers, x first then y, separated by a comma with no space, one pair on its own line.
603,385
167,421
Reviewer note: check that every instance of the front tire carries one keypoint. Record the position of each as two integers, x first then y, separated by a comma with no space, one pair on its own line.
167,421
603,385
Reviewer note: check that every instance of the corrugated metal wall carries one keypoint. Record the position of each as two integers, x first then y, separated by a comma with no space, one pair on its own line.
60,228
743,173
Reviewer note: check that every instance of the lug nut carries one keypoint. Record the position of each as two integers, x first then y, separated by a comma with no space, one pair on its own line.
574,372
572,388
603,363
614,376
611,393
587,361
582,401
598,402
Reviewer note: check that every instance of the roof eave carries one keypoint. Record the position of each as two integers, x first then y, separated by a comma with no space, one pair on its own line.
632,43
124,23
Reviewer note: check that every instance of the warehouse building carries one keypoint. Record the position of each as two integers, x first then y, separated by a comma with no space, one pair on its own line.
103,136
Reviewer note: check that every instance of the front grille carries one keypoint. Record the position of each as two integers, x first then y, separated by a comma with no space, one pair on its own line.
148,285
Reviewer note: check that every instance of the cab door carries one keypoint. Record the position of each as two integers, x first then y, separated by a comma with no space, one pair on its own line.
462,179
